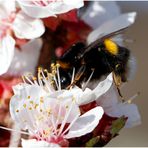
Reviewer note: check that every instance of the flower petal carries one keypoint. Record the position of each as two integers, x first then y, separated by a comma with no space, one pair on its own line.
22,105
6,8
86,97
99,12
23,61
6,53
35,11
53,8
103,86
81,97
109,99
65,6
32,109
85,123
34,143
26,27
123,21
128,110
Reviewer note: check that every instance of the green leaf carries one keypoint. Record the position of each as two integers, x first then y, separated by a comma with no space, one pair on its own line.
92,141
117,125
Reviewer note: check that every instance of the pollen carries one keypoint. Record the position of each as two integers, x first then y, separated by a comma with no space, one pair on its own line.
129,101
24,105
40,118
39,69
41,100
73,99
28,97
31,102
67,106
17,110
36,105
30,108
48,111
58,65
34,78
111,46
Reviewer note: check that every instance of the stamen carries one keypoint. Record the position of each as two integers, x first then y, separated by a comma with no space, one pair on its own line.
35,80
27,78
65,119
53,124
54,77
58,117
70,125
73,75
88,80
45,80
23,78
58,74
40,77
132,98
13,130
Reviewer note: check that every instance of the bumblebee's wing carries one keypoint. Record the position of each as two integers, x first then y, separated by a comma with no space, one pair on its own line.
112,27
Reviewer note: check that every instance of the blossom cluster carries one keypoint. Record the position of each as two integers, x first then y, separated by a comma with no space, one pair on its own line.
31,32
21,41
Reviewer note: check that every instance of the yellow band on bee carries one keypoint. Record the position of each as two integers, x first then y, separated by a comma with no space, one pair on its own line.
111,46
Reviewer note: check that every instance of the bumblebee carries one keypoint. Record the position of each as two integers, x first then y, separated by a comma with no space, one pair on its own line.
95,60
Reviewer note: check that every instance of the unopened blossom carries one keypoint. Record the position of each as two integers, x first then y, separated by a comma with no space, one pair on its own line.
15,24
46,8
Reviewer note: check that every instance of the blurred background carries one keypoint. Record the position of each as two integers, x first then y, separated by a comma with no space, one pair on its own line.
137,136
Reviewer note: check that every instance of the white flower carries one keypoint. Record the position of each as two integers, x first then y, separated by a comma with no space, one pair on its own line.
46,8
47,115
13,21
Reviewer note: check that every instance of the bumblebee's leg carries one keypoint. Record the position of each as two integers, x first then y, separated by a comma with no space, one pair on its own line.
78,75
118,81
